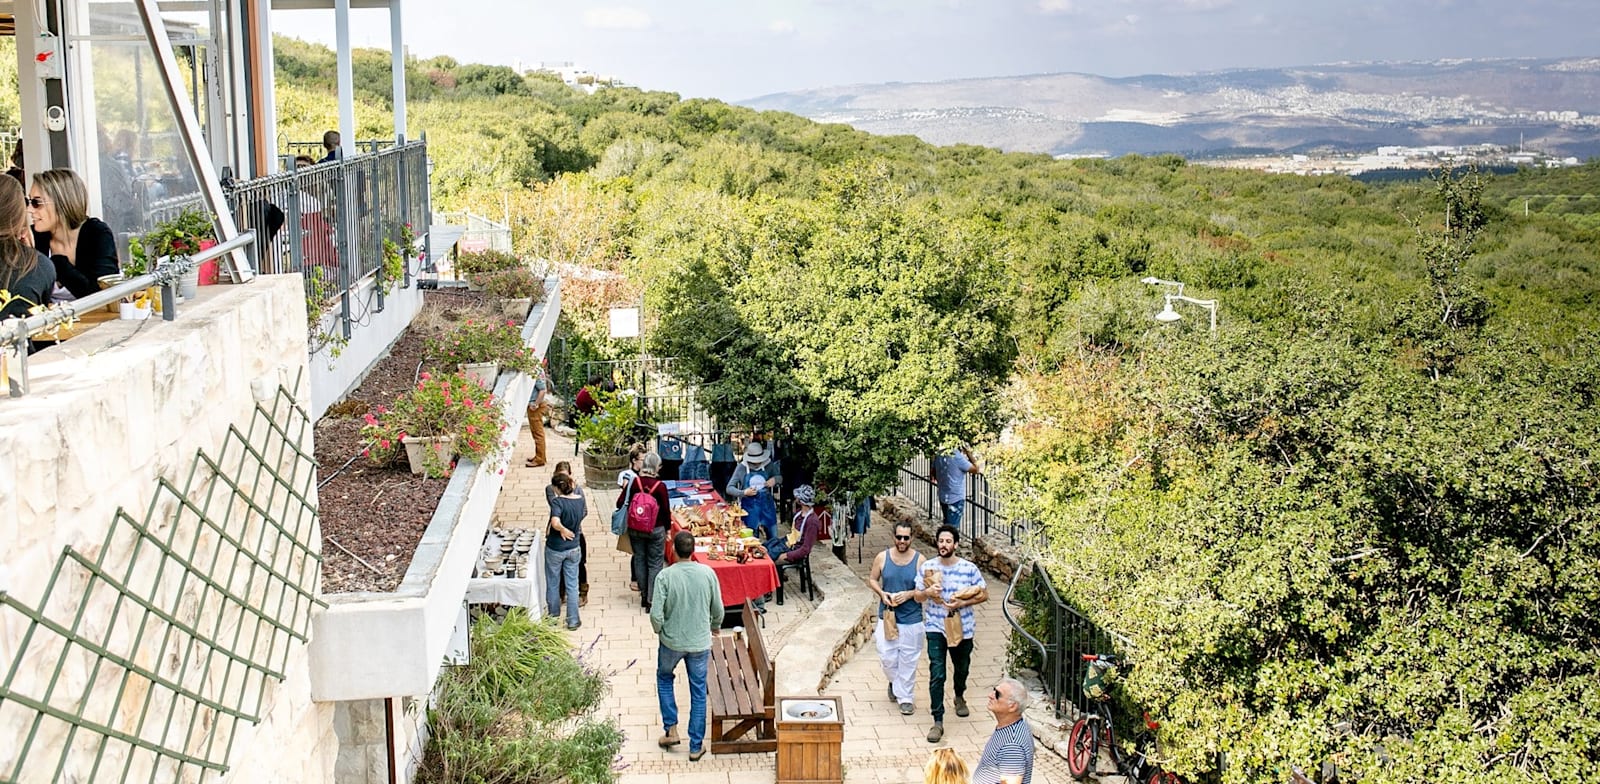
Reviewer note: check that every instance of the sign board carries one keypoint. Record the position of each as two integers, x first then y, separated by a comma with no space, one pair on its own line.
624,323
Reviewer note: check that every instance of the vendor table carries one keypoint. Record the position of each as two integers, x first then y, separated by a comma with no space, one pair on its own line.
752,579
514,591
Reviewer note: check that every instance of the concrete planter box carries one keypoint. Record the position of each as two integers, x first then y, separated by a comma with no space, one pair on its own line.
374,645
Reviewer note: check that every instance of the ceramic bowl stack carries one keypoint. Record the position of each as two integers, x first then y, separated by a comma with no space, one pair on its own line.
506,552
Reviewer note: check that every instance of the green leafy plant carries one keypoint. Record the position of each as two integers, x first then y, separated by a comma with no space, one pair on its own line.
478,262
180,236
395,257
321,289
439,406
514,283
613,427
523,709
484,340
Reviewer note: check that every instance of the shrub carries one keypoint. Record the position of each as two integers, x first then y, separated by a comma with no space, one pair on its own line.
482,261
438,406
521,710
480,340
514,283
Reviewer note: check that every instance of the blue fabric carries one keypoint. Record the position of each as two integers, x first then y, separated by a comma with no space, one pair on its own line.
669,448
561,569
953,578
692,453
952,473
763,514
696,663
952,513
722,453
896,578
696,469
571,511
862,520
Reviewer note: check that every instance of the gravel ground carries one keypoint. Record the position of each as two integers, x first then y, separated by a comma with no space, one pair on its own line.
377,513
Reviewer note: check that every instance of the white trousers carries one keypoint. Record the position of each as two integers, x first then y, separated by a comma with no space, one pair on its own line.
900,657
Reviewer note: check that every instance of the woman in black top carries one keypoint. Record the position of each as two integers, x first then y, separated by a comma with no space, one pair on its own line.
83,248
25,275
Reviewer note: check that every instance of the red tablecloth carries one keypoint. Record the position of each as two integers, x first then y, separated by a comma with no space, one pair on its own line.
741,581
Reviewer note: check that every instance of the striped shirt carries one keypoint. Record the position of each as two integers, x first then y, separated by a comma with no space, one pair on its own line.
959,575
1009,752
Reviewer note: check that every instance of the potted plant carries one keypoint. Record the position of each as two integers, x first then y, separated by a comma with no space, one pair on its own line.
483,347
516,288
606,434
396,255
189,232
443,416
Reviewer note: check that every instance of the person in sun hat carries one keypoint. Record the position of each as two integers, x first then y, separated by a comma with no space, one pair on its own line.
755,483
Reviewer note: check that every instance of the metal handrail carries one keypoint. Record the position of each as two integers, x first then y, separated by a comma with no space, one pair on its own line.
14,334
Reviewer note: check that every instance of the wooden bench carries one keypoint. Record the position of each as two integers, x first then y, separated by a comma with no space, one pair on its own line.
739,691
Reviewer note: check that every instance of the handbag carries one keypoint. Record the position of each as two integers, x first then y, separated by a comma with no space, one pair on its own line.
619,518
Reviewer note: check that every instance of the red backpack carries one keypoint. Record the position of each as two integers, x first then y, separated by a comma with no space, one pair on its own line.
642,510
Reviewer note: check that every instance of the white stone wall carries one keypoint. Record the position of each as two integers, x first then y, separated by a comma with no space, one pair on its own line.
112,411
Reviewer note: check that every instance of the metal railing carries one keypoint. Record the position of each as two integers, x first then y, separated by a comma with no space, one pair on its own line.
328,222
15,333
982,515
318,152
481,233
1060,634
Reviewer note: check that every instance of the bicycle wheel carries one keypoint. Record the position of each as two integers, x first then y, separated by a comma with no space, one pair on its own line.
1082,745
1163,777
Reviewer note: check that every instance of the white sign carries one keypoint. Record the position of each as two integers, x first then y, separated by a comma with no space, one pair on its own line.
624,323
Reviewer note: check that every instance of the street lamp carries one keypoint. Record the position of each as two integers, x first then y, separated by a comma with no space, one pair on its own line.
1168,314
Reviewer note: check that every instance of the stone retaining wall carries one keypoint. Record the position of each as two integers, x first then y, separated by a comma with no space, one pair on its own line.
838,626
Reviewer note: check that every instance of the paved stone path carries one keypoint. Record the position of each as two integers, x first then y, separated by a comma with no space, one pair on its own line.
880,744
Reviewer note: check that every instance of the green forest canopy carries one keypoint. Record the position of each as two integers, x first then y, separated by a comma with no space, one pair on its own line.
1356,524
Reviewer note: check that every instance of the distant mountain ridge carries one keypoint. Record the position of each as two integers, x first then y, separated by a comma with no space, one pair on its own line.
1552,104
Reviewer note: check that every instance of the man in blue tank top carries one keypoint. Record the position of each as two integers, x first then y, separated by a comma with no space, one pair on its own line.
894,579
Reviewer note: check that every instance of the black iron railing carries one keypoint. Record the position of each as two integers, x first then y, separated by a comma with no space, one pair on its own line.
982,515
1057,636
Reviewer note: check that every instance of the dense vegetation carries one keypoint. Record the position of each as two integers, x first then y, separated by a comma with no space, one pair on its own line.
1356,523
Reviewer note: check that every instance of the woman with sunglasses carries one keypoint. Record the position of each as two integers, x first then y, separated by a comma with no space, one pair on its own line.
83,248
25,275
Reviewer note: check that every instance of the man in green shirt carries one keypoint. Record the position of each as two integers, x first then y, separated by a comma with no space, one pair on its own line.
685,610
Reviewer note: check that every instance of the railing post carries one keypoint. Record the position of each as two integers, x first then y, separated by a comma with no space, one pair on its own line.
345,246
403,164
373,193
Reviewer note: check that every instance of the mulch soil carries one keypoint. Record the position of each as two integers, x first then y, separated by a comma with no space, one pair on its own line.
377,513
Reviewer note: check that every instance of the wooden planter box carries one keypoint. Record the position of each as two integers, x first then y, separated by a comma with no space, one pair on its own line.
810,747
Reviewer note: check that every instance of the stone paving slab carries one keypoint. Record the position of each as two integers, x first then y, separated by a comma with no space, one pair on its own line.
880,744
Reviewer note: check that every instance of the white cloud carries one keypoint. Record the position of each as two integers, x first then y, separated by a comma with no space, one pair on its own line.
616,19
781,27
1055,6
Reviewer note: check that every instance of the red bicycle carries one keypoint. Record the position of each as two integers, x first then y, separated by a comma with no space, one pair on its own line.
1093,732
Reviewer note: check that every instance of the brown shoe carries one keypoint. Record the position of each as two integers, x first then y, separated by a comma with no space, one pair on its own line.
670,738
583,594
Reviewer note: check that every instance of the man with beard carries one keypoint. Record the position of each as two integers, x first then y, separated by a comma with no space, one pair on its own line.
950,585
899,632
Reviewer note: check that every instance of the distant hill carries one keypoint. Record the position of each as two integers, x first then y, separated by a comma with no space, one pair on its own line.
1550,104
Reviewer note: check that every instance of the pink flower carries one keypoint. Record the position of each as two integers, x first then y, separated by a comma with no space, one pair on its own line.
402,435
469,403
426,375
370,419
472,429
382,410
366,453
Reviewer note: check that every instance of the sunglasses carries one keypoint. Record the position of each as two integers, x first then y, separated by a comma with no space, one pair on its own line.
35,201
997,694
899,538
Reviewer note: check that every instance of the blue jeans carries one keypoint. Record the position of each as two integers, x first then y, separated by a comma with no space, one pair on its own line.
561,569
696,663
953,512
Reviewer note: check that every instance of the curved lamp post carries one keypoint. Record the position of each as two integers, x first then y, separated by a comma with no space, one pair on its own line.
1168,314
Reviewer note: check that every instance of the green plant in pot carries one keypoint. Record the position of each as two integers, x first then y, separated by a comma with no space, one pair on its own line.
607,434
180,236
484,341
452,414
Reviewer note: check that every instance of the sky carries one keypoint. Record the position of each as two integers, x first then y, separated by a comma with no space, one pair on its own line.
739,49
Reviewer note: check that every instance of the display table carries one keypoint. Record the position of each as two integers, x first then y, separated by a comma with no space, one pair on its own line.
740,581
514,591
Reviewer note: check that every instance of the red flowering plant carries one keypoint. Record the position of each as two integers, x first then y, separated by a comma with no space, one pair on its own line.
481,340
447,406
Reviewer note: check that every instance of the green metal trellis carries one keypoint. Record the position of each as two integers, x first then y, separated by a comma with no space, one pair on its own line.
202,599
